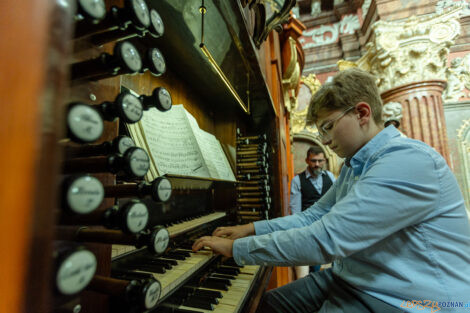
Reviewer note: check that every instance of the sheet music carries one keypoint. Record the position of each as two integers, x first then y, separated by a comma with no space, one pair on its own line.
212,152
176,145
172,144
231,154
214,156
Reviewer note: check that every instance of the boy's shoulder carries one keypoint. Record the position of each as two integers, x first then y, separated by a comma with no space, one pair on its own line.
409,148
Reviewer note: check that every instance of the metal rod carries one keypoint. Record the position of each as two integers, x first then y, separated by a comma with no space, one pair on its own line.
203,11
216,67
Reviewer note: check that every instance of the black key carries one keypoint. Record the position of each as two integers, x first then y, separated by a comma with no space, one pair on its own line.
174,256
150,268
226,271
222,276
180,252
220,280
212,300
214,285
163,263
194,292
169,261
208,293
195,303
236,268
129,275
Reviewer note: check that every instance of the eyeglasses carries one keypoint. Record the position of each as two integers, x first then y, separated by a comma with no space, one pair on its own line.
317,161
324,132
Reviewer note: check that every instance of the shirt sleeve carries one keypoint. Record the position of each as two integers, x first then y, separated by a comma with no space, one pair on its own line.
302,219
295,202
399,190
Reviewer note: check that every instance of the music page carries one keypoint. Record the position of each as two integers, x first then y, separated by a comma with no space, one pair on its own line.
172,144
212,152
214,156
176,145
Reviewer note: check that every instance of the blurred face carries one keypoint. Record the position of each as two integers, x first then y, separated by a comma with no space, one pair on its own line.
340,130
315,163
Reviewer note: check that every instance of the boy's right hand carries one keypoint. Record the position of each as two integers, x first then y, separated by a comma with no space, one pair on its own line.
235,232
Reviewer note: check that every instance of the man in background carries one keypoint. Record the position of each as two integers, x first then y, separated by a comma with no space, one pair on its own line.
307,188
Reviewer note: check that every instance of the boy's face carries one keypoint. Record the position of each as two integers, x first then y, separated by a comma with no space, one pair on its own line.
343,135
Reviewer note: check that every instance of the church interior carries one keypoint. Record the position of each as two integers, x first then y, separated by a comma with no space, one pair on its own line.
130,128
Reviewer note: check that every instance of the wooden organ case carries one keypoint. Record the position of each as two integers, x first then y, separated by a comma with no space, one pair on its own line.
90,66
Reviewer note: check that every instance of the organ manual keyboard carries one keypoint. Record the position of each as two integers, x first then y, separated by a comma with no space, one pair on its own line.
189,279
214,291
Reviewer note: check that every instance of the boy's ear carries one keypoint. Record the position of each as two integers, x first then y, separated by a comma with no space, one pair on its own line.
363,112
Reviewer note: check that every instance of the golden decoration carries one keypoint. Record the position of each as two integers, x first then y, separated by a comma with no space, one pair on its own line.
411,50
344,64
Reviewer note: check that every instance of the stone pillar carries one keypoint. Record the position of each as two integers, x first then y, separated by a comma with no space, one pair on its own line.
423,113
409,59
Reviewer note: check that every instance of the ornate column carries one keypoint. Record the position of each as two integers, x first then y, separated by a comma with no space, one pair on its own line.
409,59
423,113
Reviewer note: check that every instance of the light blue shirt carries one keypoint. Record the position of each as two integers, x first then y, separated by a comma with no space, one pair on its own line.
295,202
394,224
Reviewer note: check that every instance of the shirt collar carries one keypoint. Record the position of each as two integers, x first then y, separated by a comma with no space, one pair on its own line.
356,162
308,174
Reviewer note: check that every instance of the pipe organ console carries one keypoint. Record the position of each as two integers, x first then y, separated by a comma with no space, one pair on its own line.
123,230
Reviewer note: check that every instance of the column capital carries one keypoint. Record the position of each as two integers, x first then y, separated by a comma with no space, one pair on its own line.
412,50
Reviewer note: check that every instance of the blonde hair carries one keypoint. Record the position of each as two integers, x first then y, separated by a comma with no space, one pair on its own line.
345,90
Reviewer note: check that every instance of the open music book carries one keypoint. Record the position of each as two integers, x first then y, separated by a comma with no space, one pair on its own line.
176,145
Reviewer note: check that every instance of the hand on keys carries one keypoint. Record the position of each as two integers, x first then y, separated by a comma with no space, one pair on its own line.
222,238
235,232
218,245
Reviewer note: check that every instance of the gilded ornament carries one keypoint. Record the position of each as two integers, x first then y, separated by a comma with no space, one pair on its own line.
344,64
411,50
